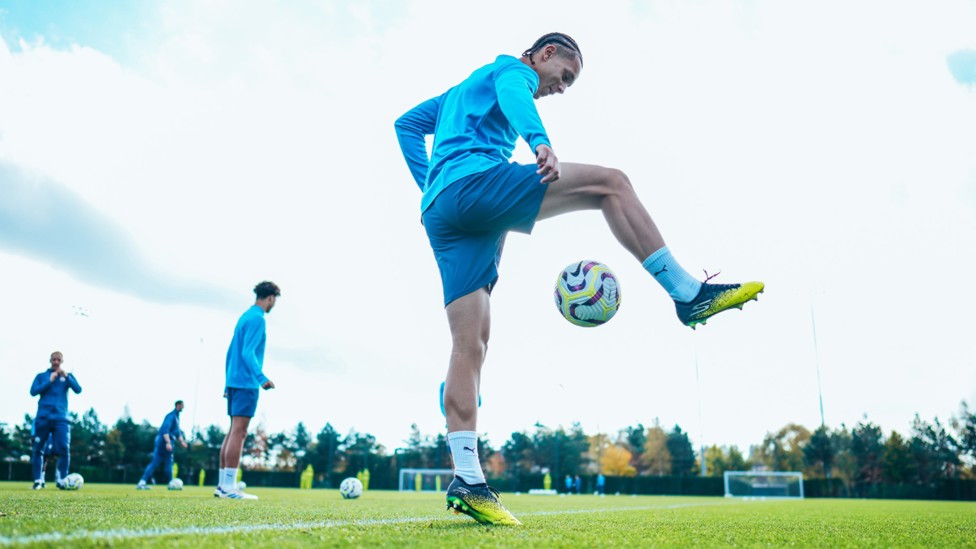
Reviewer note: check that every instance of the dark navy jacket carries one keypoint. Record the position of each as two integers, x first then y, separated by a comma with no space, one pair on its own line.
171,427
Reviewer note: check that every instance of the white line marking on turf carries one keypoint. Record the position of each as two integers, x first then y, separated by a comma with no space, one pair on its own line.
128,534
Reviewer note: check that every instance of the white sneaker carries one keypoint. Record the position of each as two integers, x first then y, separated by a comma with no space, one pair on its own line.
233,493
142,486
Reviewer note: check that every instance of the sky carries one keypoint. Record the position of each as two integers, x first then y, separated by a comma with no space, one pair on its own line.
158,159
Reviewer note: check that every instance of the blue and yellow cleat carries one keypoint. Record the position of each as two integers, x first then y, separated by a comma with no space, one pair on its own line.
715,298
478,501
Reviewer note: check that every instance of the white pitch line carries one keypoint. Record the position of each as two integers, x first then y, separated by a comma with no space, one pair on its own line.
129,534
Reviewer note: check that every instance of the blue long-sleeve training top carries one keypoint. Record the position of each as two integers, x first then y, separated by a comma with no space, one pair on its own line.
53,403
475,126
171,427
245,356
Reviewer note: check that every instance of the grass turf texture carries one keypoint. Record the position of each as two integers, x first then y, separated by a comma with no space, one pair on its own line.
101,515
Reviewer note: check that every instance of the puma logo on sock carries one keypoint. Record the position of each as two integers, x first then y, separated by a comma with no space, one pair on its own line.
663,269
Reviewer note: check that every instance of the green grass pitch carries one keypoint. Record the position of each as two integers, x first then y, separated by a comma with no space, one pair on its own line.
115,515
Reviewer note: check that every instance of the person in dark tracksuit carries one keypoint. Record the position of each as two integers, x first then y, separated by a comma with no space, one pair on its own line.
52,386
169,431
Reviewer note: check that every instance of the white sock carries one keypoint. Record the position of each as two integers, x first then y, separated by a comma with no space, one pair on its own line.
464,450
220,477
229,481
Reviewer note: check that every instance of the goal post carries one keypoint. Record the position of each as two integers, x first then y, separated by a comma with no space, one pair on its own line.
764,484
425,480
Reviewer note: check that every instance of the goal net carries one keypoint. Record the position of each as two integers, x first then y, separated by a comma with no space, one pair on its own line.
425,480
763,484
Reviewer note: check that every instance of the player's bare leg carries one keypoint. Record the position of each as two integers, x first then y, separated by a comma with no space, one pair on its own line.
233,445
469,318
588,187
230,455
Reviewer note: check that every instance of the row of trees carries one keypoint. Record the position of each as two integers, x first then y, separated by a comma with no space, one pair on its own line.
861,456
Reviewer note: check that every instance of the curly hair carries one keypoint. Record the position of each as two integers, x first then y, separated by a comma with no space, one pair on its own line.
266,288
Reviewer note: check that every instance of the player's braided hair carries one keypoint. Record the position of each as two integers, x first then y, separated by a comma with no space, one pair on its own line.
556,38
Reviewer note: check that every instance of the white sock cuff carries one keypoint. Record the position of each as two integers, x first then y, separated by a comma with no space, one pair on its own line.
465,434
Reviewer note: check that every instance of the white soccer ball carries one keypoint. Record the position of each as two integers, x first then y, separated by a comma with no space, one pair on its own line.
74,481
241,485
587,293
351,488
175,484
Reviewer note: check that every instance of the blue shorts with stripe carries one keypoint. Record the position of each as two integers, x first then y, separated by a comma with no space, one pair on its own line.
467,223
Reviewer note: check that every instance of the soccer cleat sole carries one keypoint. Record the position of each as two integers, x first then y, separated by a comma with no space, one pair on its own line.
459,507
740,305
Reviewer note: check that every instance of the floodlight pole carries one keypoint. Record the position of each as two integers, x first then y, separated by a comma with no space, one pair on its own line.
701,423
816,360
196,388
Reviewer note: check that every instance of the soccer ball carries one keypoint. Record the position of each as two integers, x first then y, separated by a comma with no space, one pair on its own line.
74,481
241,485
351,488
587,293
175,484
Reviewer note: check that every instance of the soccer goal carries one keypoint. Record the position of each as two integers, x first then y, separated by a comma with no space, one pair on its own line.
425,480
763,484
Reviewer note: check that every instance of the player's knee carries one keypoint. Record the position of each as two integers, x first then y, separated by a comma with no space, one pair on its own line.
616,182
472,347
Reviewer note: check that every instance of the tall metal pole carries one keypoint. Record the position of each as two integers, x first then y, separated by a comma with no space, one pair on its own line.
701,423
196,389
816,359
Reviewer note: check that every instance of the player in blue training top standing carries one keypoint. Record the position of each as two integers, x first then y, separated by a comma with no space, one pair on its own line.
168,432
52,418
245,376
473,195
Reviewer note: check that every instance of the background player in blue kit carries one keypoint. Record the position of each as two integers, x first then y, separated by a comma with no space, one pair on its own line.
473,195
52,385
168,433
245,376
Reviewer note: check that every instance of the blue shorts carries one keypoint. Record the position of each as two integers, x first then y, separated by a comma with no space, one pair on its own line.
242,402
467,223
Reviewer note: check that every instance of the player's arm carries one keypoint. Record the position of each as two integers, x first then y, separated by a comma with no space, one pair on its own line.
41,384
73,383
253,334
412,130
165,429
515,88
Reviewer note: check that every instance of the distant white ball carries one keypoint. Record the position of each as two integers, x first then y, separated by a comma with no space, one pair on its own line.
74,481
351,488
587,293
241,485
175,484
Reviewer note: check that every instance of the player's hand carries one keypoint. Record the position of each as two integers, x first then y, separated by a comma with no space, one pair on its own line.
54,375
183,443
548,164
63,374
169,447
268,385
